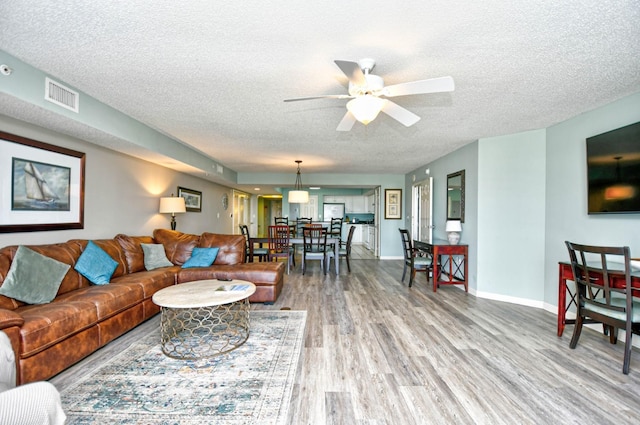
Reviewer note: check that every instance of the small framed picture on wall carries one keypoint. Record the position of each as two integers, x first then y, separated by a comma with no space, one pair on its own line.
393,204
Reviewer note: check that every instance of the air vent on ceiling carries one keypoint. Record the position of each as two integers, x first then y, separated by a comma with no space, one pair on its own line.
61,95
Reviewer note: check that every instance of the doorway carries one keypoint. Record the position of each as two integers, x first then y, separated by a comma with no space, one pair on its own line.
241,210
422,210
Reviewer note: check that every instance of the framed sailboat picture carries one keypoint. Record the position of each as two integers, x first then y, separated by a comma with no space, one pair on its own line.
41,186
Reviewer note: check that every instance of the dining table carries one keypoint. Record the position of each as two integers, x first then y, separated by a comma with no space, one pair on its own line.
299,240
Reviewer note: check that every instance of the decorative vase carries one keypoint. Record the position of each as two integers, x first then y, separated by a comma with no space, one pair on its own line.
454,238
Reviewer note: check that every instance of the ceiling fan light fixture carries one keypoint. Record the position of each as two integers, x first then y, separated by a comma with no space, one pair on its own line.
298,195
365,108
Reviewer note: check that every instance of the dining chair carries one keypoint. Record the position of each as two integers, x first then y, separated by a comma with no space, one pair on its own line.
261,253
279,245
345,247
302,221
413,259
602,276
314,247
281,221
335,228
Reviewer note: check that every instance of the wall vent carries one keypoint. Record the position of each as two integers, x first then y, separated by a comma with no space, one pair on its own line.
219,168
61,95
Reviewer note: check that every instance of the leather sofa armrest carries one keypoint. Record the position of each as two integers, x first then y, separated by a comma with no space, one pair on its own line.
10,318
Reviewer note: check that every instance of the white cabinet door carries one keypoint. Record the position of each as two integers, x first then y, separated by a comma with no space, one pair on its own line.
357,235
348,204
358,204
370,204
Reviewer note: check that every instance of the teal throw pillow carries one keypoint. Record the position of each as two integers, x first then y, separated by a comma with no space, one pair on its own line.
201,257
154,256
33,278
96,265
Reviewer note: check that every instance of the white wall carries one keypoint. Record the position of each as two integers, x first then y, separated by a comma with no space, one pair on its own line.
122,194
511,214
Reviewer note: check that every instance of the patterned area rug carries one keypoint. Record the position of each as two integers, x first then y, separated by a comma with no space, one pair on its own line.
250,385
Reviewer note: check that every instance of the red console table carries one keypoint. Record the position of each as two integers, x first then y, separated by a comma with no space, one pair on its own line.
565,273
446,269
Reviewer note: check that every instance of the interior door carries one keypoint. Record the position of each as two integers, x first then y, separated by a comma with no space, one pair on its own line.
310,209
241,210
422,210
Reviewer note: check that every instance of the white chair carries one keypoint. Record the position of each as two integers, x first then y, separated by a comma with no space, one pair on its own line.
37,403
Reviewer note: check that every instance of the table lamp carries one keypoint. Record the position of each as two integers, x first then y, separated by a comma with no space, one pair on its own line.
453,229
172,205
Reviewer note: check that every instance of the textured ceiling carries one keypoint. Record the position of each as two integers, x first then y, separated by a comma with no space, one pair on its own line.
214,75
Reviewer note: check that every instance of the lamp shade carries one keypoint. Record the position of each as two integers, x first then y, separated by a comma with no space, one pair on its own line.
453,226
365,108
298,197
172,205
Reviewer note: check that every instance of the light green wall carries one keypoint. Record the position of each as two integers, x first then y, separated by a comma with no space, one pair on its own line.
27,83
465,158
526,193
122,194
566,190
511,211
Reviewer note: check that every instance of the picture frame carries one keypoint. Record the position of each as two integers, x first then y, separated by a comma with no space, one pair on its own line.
41,185
192,199
393,204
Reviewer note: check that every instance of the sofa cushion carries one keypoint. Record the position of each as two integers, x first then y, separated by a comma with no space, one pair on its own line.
108,299
232,247
95,264
154,256
133,251
177,245
46,325
33,278
201,257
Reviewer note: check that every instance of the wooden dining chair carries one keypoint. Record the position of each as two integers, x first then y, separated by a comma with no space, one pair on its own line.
335,228
314,247
261,253
413,260
345,247
280,246
603,285
302,222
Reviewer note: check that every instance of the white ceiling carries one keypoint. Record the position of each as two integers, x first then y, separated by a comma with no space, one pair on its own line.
214,74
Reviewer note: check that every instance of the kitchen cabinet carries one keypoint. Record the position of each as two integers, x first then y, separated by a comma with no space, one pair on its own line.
371,238
357,204
332,199
370,207
357,234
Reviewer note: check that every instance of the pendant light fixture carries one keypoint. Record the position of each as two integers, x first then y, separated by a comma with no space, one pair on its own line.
297,195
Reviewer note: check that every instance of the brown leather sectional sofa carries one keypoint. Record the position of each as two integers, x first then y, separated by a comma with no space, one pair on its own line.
48,338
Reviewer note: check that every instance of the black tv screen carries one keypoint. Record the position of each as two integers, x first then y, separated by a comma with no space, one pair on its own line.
613,171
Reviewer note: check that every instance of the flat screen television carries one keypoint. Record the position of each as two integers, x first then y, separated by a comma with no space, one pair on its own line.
613,171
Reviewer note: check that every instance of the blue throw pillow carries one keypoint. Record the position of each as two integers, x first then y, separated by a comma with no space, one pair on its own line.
201,257
96,265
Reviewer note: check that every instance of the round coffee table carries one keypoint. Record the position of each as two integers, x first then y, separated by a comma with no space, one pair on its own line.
204,318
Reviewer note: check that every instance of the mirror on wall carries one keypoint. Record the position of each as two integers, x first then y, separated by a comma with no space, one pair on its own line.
455,196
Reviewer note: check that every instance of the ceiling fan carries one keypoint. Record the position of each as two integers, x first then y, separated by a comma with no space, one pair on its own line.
368,92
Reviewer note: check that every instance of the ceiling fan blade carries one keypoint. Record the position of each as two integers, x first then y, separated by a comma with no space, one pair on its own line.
400,114
432,85
347,122
352,71
328,96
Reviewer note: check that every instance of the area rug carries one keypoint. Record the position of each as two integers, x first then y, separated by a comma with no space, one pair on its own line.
250,385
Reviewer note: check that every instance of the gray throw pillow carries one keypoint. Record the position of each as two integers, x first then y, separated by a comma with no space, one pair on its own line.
33,278
154,256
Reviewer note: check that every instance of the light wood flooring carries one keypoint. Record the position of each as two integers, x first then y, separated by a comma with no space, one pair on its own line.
378,352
